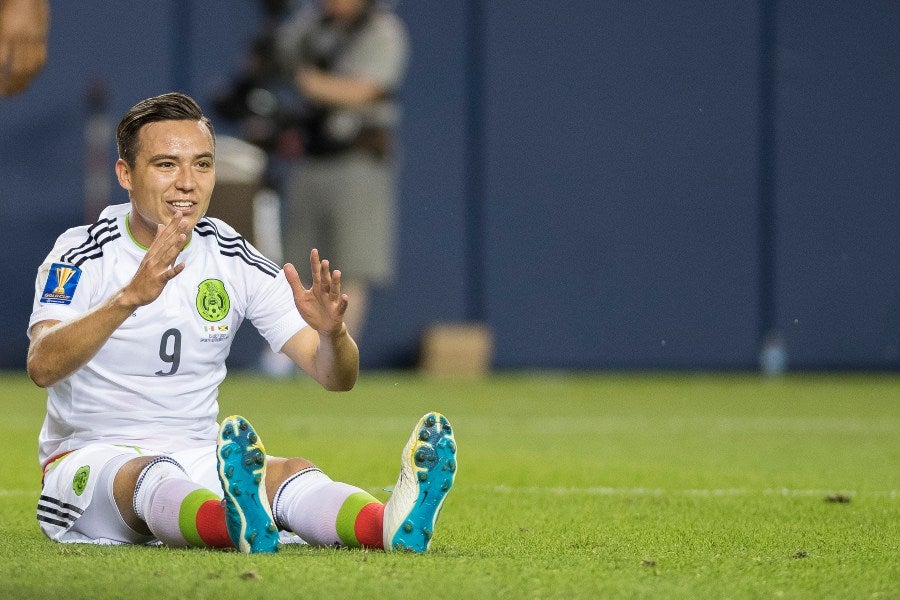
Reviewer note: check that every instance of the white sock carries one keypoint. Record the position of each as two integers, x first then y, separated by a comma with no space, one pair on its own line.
156,471
308,503
162,490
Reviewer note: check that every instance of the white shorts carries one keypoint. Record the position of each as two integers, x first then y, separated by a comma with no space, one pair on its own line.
77,504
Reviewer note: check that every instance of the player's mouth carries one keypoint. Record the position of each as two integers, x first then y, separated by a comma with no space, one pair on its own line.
182,205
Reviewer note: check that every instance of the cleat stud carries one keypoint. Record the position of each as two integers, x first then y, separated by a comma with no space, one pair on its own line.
272,527
451,465
258,478
423,435
451,446
253,437
243,426
228,431
226,451
235,490
229,472
423,476
420,456
445,486
408,527
429,422
428,533
252,537
259,459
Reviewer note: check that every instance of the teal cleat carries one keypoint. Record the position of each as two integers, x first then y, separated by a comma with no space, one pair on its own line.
427,470
242,471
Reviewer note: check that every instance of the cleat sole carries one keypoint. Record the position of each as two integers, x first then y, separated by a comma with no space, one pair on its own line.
241,461
428,469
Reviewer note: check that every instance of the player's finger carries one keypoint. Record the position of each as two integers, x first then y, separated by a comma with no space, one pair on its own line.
335,285
173,233
343,302
293,279
174,270
325,276
292,275
315,265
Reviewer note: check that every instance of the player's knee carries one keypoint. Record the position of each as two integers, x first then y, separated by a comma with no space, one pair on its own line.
279,470
124,482
127,476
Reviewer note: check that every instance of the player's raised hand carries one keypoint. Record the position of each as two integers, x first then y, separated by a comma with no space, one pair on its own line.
158,266
323,305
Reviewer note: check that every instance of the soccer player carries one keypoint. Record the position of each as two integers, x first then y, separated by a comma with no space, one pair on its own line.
133,319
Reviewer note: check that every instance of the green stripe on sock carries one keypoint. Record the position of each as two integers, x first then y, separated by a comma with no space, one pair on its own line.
187,515
346,517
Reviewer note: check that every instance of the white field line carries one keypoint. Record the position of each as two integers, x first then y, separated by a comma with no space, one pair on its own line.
640,491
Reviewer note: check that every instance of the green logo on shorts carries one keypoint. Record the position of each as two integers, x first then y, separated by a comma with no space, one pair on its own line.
212,300
79,482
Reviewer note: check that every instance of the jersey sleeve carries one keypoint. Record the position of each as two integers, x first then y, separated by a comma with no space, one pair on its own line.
269,300
61,289
273,312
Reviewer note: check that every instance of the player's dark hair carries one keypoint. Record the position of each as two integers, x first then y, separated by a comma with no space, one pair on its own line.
173,106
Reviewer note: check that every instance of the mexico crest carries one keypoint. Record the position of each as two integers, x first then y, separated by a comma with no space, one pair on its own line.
212,300
79,482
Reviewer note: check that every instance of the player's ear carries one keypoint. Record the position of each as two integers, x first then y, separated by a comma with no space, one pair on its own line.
123,172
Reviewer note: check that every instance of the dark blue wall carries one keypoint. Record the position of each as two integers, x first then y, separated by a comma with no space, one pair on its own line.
633,196
838,183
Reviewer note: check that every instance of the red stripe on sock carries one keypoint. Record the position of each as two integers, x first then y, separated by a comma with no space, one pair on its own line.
369,524
211,525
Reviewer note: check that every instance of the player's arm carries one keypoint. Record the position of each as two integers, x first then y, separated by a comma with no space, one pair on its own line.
324,349
59,348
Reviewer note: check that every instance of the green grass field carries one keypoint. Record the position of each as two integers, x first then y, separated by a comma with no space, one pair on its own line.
569,486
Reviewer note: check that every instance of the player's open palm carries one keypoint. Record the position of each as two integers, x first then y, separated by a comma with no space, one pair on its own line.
323,305
158,266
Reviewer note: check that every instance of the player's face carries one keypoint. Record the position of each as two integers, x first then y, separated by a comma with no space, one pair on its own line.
174,171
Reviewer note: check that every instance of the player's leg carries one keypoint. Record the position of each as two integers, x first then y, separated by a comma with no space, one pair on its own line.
109,494
155,495
321,511
77,502
328,513
181,512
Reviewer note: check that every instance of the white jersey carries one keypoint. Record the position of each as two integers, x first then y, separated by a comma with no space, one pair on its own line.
154,383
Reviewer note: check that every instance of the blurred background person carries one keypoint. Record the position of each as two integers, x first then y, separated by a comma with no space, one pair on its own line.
24,25
347,60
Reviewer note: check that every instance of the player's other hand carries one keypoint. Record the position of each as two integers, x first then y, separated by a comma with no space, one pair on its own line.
323,305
